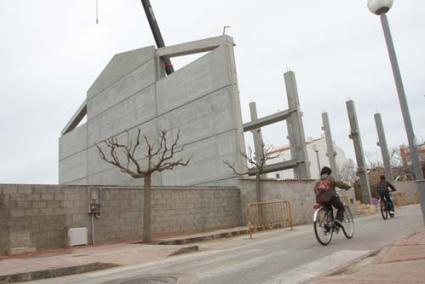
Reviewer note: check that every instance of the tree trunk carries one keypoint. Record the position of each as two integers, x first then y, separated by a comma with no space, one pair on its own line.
259,198
257,187
147,209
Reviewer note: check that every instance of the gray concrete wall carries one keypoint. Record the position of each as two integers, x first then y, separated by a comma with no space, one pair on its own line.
201,100
409,187
34,217
298,192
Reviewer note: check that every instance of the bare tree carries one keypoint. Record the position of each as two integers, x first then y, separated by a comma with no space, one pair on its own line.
255,163
348,171
395,158
373,161
157,158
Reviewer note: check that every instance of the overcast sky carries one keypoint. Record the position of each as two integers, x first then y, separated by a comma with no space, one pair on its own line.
52,50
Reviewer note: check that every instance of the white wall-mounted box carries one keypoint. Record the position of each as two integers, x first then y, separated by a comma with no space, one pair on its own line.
77,236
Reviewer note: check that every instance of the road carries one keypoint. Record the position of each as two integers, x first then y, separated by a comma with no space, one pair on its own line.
279,256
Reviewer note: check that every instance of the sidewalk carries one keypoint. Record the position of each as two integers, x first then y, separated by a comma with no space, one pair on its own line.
61,262
402,262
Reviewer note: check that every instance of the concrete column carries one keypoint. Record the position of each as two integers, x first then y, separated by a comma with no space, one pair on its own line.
384,147
358,147
330,151
296,134
256,133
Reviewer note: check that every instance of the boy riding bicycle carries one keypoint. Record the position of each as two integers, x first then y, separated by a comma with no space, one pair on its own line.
326,194
384,193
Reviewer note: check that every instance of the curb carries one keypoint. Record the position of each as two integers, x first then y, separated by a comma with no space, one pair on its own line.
52,273
202,238
346,266
184,250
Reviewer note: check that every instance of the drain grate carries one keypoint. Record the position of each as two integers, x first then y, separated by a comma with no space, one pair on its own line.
145,280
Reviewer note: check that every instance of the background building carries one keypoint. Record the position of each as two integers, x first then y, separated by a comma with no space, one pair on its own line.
405,154
316,152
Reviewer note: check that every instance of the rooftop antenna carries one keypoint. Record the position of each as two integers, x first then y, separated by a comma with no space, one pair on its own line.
224,29
157,34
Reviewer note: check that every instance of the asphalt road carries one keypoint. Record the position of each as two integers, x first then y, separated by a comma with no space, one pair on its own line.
279,256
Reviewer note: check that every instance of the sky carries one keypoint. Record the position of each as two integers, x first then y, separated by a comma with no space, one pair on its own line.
51,51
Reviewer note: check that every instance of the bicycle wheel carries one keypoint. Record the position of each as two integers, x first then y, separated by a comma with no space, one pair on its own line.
322,227
384,211
348,223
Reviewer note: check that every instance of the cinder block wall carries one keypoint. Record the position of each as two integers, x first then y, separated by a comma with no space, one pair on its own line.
34,217
298,192
4,227
409,187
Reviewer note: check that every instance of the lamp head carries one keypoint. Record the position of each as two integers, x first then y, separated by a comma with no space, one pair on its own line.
379,7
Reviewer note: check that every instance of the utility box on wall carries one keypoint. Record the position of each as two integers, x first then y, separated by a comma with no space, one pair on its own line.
77,236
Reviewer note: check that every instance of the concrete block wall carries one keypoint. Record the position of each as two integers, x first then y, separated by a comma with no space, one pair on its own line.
409,187
201,100
34,217
298,192
4,220
37,216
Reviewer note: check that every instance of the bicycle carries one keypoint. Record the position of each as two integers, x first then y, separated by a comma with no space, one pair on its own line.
324,225
385,210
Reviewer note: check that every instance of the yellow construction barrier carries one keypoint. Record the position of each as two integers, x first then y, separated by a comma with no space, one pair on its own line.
268,215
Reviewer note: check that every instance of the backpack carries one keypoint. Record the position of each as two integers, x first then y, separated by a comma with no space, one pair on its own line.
323,185
320,189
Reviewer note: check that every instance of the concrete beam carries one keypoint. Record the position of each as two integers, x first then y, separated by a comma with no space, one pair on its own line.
295,126
358,148
267,120
330,151
256,134
276,167
384,147
194,47
76,118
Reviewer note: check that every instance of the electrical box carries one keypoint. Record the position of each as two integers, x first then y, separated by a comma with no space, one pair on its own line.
94,208
77,236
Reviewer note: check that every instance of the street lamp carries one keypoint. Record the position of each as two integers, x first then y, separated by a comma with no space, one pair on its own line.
317,157
380,8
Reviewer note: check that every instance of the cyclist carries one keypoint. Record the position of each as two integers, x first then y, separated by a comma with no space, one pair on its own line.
326,194
384,192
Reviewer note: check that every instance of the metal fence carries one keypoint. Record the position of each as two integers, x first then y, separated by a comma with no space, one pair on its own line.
268,215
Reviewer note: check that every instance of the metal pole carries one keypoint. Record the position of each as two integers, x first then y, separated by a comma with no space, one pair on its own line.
358,147
330,152
318,161
417,169
156,33
384,147
295,126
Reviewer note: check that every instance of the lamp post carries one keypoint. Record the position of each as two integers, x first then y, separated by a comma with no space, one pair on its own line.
317,157
380,8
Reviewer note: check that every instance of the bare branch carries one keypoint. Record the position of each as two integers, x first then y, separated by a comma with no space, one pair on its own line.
165,155
168,154
133,152
172,165
234,170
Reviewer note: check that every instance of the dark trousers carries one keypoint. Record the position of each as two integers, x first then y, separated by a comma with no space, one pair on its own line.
336,202
386,195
